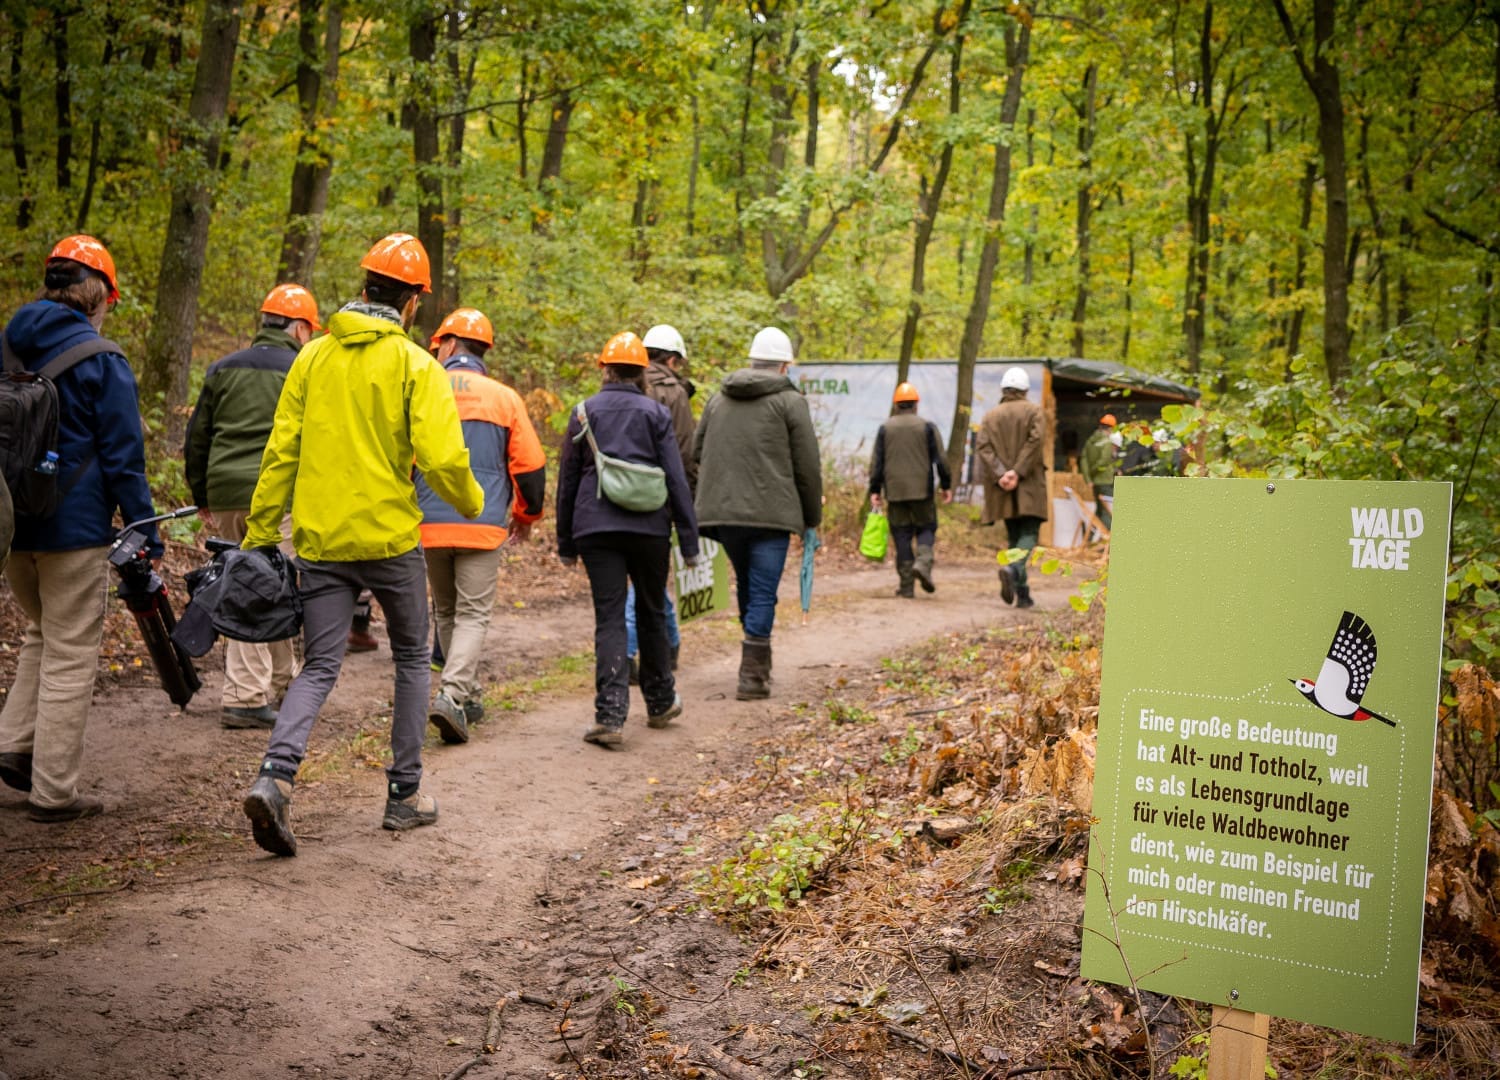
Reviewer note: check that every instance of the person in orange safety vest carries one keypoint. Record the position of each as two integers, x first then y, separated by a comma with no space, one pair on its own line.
463,556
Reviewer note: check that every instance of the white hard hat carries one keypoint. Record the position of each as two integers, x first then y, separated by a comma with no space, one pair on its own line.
772,344
666,338
1015,379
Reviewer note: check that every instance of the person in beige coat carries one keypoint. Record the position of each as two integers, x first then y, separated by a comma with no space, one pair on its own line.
1010,447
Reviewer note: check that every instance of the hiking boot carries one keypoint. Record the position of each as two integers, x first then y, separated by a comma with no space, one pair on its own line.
269,806
412,812
605,735
922,568
1023,597
904,580
667,715
362,641
239,717
635,671
82,806
447,716
15,771
473,711
1007,585
755,669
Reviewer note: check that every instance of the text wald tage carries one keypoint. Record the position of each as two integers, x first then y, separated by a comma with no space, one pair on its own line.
1235,811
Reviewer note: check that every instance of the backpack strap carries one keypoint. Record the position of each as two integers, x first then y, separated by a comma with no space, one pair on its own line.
68,358
11,366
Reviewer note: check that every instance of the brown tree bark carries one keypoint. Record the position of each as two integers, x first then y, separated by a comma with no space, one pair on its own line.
462,79
62,96
1017,56
1323,80
550,173
1305,191
12,94
169,345
420,115
1085,108
931,198
317,96
91,174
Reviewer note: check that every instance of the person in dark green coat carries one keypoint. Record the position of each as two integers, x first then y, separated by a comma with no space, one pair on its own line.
908,452
225,440
760,479
1098,468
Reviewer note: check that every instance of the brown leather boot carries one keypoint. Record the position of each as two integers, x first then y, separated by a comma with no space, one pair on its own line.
755,669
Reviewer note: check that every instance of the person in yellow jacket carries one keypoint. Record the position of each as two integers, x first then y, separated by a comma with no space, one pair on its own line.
463,557
360,406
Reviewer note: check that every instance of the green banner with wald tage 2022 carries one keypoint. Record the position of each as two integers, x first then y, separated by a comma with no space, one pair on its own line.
1266,724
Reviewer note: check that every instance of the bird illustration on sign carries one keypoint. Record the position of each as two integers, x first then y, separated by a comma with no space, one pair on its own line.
1345,674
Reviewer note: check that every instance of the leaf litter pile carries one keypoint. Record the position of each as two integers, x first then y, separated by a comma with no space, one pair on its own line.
894,888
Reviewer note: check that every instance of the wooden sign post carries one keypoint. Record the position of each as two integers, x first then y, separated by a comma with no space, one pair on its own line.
1237,1045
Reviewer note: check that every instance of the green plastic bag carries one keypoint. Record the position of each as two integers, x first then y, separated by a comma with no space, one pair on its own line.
877,534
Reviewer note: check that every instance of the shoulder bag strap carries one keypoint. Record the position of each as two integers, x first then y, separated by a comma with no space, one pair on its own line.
78,353
588,433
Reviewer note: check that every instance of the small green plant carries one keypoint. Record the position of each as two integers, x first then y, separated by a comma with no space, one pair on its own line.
1010,889
623,993
906,747
840,712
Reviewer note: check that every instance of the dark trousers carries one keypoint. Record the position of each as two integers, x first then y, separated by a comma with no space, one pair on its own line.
329,593
615,560
913,523
1023,532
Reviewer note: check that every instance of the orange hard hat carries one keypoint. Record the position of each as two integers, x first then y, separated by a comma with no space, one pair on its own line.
88,251
465,322
1108,420
624,348
292,302
906,392
401,257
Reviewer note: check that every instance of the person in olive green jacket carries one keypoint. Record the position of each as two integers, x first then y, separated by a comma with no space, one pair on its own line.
361,405
760,479
225,440
1098,468
908,452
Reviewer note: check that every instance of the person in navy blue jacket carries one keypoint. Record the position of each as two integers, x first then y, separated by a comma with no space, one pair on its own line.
58,569
620,546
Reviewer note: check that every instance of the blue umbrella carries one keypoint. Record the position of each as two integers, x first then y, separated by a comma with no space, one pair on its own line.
810,544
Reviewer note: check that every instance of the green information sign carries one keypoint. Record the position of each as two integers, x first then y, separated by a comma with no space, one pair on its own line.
702,589
1266,725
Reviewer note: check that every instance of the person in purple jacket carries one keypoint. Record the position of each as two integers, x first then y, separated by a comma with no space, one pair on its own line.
619,546
58,568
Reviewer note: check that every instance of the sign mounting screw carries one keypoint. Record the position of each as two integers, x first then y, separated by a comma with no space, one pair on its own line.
1270,489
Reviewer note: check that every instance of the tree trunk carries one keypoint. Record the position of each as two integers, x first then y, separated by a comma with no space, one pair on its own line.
1028,255
463,83
552,158
385,195
62,97
91,175
317,96
1017,55
929,202
1323,80
421,116
523,103
18,122
1299,270
169,345
1086,113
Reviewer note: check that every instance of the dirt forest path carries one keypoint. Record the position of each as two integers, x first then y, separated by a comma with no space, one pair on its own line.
370,951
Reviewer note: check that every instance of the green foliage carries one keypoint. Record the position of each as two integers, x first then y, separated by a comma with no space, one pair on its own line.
777,865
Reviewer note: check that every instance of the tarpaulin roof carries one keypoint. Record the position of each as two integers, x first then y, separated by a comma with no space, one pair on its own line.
1105,373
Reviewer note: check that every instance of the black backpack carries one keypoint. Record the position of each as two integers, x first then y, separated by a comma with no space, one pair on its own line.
28,427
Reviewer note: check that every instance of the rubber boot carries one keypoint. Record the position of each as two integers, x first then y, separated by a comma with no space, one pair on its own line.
755,669
1023,597
922,568
1007,585
904,575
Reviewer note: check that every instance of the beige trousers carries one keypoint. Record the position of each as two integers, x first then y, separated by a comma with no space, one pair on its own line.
47,709
463,582
256,674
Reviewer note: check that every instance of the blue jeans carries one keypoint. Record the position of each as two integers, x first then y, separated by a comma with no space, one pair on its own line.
758,557
674,635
